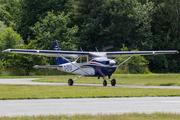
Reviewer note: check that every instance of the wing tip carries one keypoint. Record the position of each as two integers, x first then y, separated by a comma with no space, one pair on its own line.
7,50
35,66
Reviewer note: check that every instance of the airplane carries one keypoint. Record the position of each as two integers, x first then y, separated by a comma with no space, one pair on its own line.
97,64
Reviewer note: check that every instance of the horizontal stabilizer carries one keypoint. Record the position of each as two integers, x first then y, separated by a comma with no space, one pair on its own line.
47,66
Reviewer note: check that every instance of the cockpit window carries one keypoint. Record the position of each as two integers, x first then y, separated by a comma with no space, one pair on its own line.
89,58
78,60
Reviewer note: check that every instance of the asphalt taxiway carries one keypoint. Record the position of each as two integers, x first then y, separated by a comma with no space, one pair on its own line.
29,81
87,105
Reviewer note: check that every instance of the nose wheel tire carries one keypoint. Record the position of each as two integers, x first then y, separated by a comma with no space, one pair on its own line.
113,82
70,82
104,83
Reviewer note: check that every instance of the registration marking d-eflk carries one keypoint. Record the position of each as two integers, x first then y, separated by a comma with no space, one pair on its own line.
67,68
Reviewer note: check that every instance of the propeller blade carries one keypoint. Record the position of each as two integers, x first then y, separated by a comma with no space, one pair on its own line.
107,47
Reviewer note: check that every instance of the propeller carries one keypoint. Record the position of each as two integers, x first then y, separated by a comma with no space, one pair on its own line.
107,47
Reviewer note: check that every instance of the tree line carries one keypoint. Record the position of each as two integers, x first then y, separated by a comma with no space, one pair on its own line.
125,24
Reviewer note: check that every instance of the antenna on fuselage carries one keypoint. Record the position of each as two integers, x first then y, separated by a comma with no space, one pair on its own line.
96,49
81,49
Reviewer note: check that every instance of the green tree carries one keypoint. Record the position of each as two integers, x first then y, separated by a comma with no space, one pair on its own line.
4,15
8,39
11,39
9,10
2,26
137,64
53,28
25,63
166,35
112,22
30,12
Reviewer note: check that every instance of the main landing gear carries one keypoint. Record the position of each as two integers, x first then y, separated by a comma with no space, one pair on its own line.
70,82
113,82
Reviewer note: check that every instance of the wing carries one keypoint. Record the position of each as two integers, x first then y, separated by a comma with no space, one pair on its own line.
49,53
75,54
125,53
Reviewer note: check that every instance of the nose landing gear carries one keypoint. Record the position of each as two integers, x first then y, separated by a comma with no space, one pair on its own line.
104,83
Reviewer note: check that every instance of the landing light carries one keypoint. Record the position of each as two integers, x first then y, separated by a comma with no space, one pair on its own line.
112,62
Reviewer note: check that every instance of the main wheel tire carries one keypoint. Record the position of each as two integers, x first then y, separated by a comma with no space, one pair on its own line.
113,82
104,83
70,82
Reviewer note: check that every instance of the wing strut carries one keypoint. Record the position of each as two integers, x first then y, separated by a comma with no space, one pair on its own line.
74,64
78,77
125,60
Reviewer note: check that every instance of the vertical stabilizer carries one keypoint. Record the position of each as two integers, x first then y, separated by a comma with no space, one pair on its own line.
59,60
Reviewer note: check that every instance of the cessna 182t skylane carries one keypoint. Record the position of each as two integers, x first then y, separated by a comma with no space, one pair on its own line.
96,64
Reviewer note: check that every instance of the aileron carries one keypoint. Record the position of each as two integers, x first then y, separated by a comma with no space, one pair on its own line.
125,53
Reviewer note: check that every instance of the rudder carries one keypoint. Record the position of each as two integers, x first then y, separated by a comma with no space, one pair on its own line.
59,60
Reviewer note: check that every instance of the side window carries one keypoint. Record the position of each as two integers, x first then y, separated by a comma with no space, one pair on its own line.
84,59
81,60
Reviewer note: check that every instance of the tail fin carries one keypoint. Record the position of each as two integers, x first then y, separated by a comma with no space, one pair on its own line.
59,60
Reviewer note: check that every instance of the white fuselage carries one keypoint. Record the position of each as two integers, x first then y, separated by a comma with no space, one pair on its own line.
77,68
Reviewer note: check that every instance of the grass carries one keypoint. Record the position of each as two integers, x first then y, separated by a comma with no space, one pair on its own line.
9,77
47,92
124,79
55,92
131,116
